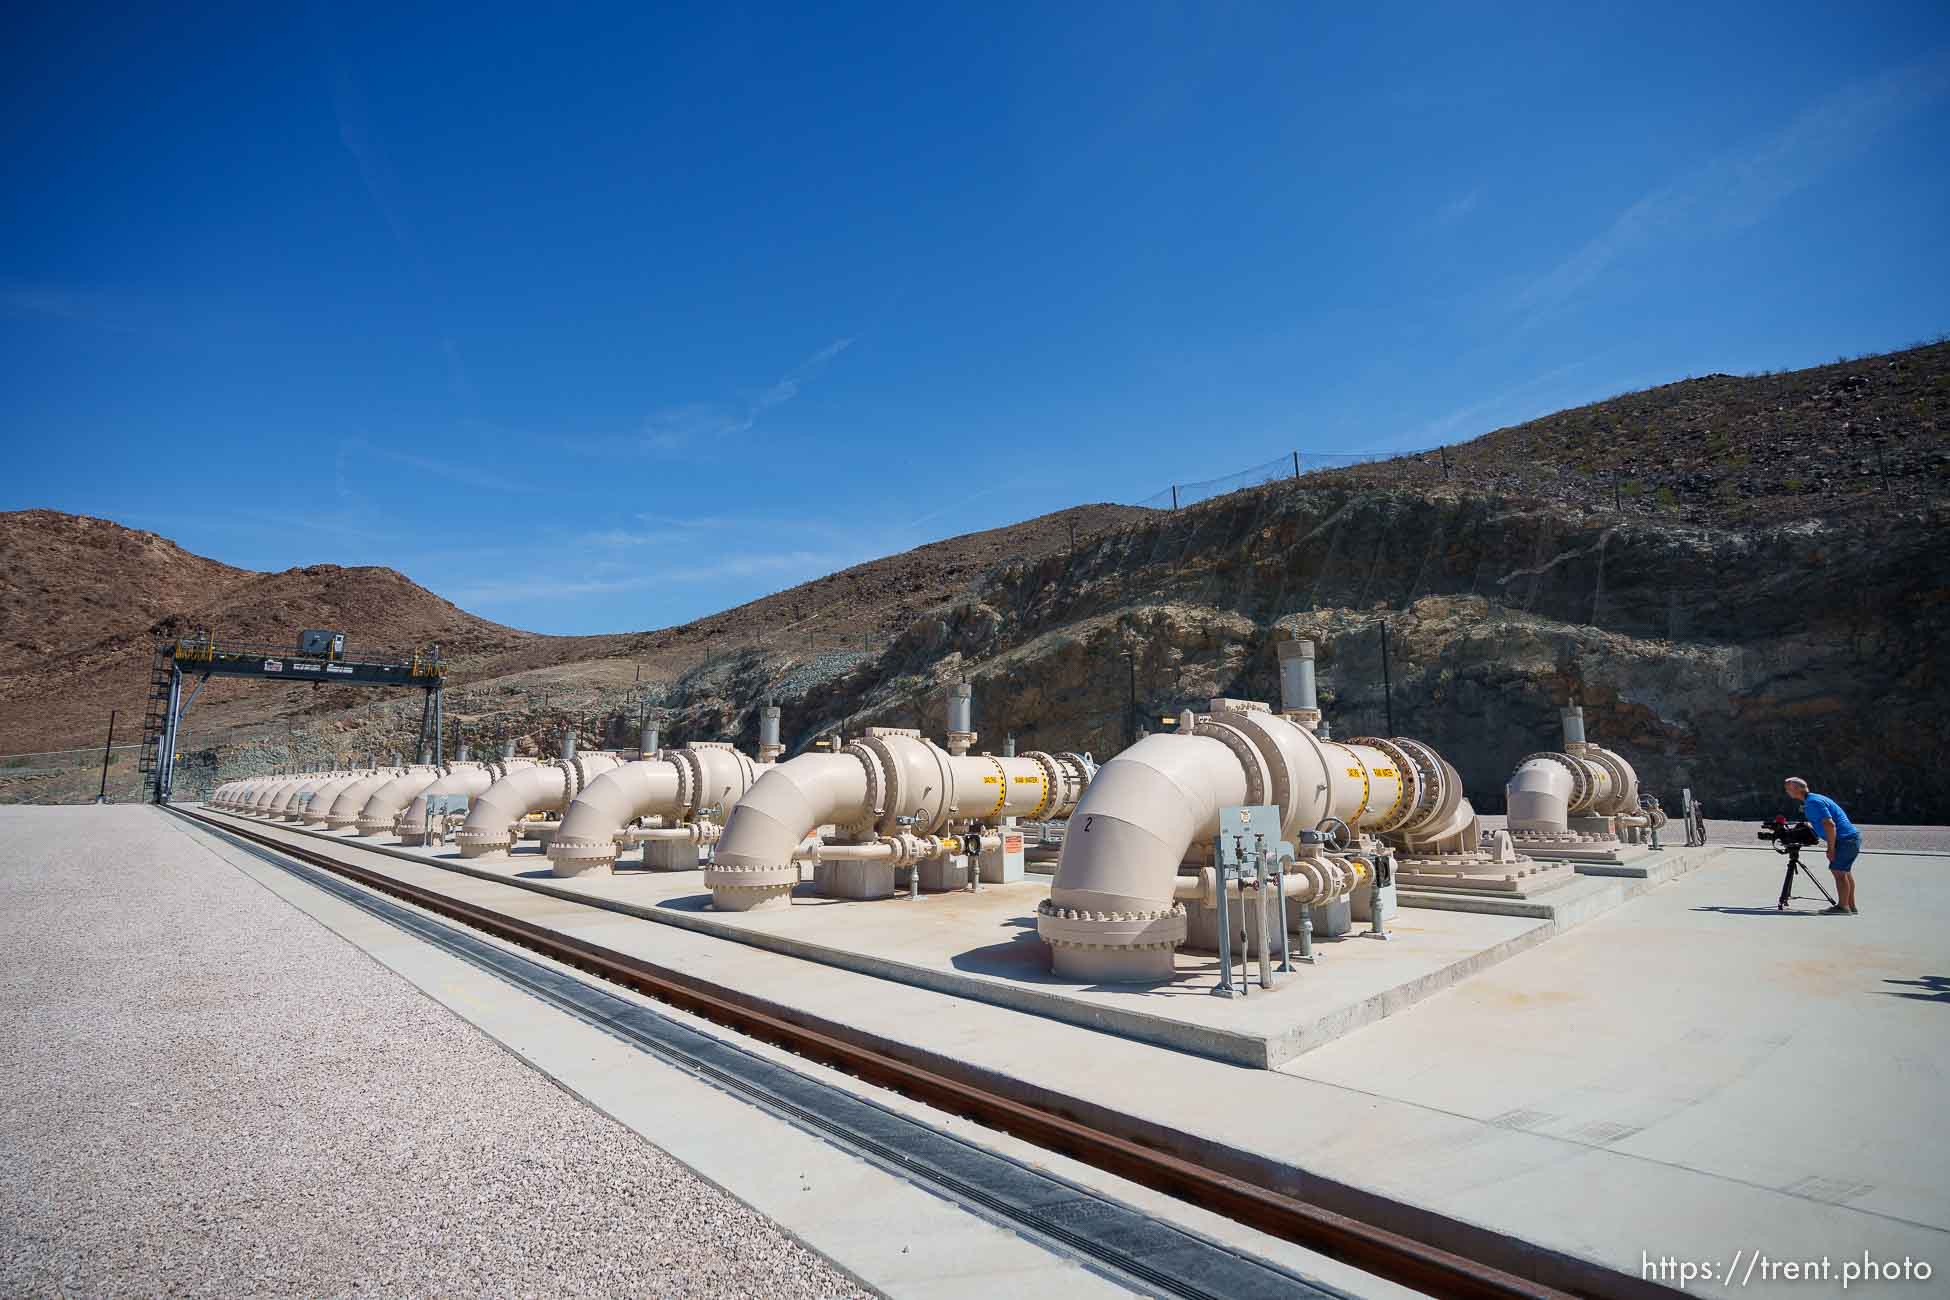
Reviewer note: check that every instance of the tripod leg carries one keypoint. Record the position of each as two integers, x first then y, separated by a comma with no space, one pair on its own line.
1818,885
1787,885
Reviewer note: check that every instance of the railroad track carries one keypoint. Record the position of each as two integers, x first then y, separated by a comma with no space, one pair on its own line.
1373,1249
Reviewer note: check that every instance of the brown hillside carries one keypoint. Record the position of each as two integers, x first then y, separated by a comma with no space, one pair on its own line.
1871,433
83,601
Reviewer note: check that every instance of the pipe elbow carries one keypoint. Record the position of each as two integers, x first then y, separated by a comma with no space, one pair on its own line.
1538,795
754,866
586,841
507,801
1113,912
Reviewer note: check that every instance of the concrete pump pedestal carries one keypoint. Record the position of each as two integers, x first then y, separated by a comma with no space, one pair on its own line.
1523,878
859,881
939,875
670,855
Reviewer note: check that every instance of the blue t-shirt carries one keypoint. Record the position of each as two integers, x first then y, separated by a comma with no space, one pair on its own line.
1818,808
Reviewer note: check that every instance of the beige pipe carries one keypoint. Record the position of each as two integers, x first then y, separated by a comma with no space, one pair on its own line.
882,780
259,799
754,867
467,779
262,794
343,815
678,784
292,802
1538,794
1113,912
544,787
315,809
382,806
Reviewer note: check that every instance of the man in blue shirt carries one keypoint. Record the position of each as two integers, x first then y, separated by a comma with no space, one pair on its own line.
1838,833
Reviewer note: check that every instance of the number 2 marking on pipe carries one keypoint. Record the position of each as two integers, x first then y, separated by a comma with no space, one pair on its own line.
1086,824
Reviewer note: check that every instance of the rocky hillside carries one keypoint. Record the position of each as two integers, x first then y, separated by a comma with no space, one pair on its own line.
83,602
1719,634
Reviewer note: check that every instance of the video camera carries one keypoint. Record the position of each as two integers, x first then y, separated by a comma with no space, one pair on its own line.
1790,838
1788,835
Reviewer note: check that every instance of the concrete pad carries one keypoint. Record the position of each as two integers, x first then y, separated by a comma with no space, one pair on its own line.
1503,1108
984,945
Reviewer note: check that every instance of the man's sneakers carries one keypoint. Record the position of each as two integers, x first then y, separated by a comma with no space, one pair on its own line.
1837,910
1851,911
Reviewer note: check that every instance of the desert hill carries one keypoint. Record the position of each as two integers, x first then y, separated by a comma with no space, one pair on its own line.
1730,573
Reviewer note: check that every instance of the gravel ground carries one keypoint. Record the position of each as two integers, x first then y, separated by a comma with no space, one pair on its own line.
209,1094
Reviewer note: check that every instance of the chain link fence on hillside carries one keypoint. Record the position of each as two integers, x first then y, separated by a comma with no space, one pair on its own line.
73,776
1291,467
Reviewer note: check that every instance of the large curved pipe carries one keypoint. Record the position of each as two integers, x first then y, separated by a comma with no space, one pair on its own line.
312,810
1112,912
542,788
679,784
464,780
888,782
1538,794
270,798
383,806
754,865
294,797
343,815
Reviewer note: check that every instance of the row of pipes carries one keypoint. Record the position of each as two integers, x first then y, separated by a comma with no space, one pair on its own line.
1135,878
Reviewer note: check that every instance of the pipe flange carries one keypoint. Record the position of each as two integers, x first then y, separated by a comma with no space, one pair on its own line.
1052,778
1581,784
743,889
889,805
1433,794
689,778
876,792
1624,782
576,857
1068,927
1408,783
481,840
1245,751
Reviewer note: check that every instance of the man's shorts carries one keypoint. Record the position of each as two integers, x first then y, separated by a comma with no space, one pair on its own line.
1847,848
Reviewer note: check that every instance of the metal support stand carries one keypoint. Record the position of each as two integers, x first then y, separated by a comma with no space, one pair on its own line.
1384,872
1225,988
1279,896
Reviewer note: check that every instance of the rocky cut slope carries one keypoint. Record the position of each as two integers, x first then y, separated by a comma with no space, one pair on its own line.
1717,659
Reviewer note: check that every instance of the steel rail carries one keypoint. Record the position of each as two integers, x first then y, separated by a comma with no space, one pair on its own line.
1373,1249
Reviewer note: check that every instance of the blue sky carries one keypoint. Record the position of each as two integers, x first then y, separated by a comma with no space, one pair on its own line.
598,318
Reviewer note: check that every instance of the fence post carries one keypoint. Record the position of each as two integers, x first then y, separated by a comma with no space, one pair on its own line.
1174,496
1445,461
103,796
1296,464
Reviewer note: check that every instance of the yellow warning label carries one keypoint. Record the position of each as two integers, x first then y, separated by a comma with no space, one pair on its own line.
1029,780
1384,771
991,780
1354,772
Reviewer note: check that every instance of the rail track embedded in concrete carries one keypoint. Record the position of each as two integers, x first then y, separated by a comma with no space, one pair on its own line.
1103,1232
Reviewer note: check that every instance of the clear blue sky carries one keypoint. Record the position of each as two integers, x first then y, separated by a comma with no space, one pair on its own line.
605,317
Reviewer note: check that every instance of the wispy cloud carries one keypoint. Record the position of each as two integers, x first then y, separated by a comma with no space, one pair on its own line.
1472,417
1736,190
1460,206
675,427
753,564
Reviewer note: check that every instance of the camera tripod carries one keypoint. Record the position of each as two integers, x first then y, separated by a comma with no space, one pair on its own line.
1793,852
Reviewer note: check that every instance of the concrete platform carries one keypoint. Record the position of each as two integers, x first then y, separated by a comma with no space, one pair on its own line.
984,946
1594,889
1662,1081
